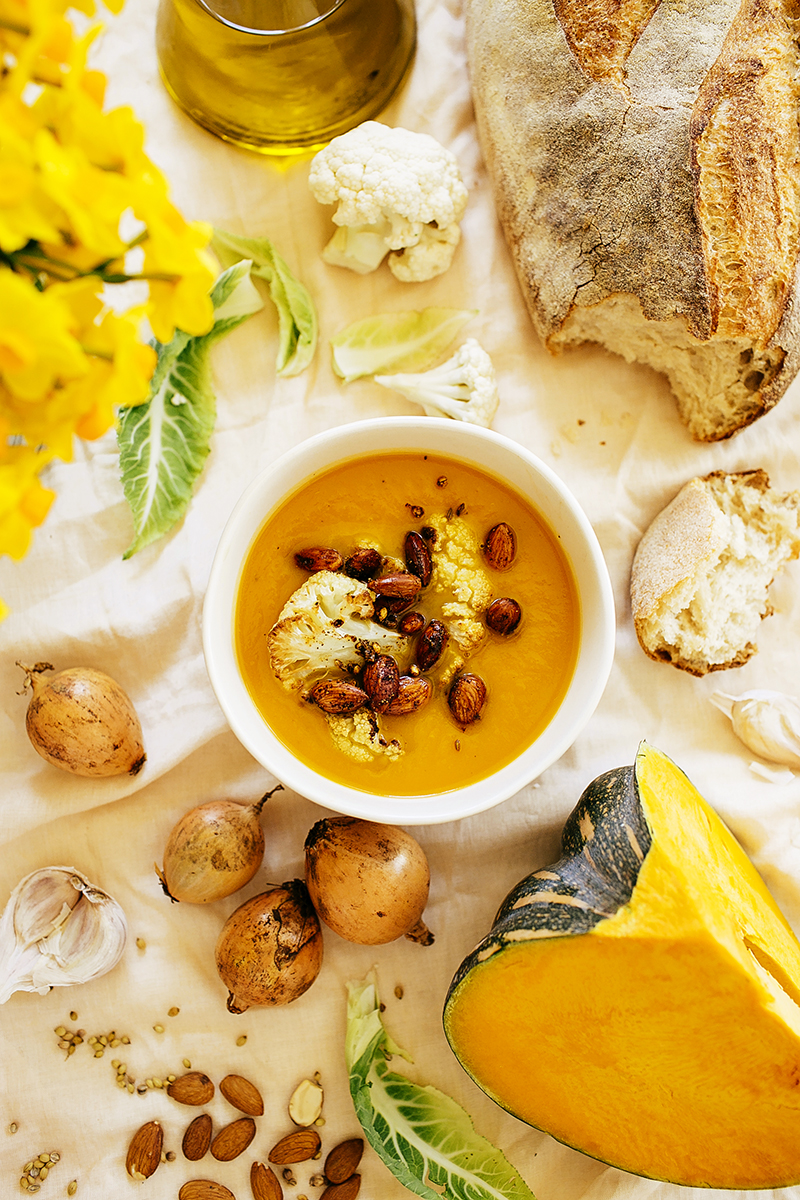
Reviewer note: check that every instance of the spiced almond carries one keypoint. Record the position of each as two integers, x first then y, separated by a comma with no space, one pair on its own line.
418,557
466,698
338,697
500,546
413,693
400,584
319,558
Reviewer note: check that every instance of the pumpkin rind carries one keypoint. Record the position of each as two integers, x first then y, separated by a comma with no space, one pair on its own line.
640,999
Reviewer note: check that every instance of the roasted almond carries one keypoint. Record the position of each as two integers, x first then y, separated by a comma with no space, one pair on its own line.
466,698
343,1191
242,1094
500,546
363,563
197,1138
319,558
411,623
144,1151
338,697
205,1189
413,693
381,679
264,1183
431,644
418,557
503,615
233,1139
298,1146
401,584
343,1160
192,1088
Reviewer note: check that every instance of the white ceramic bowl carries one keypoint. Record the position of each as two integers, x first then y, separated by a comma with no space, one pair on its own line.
497,455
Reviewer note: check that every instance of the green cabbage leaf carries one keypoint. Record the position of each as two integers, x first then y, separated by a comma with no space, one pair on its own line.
164,442
297,316
401,341
425,1139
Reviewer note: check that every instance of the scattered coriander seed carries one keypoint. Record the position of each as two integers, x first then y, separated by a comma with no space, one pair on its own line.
13,1127
317,1180
141,943
170,1156
320,1121
187,1062
173,1012
398,991
72,1187
288,1175
142,1089
158,1028
171,1078
99,1053
60,1030
73,1016
242,1038
126,1041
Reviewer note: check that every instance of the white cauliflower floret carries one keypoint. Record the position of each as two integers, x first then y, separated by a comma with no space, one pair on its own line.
360,736
464,627
465,387
324,625
456,564
397,191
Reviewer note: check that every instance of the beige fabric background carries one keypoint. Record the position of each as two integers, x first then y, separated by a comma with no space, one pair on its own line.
611,432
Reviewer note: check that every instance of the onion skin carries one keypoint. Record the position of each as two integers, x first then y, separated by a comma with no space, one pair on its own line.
215,849
270,949
83,722
368,882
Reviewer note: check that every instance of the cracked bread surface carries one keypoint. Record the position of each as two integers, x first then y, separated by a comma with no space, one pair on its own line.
702,571
644,165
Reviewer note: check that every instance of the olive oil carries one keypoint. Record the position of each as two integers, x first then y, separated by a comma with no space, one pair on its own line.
283,76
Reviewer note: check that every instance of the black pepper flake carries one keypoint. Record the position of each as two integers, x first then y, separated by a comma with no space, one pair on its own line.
416,511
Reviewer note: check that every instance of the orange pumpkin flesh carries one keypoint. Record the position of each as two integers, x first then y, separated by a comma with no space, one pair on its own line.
658,1032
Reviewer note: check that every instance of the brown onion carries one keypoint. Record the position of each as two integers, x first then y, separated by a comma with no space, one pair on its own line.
82,721
215,849
368,882
270,949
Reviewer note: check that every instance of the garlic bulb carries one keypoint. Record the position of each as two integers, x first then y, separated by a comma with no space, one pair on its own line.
57,929
767,722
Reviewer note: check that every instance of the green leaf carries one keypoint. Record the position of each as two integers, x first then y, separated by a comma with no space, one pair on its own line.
164,442
297,316
425,1139
403,341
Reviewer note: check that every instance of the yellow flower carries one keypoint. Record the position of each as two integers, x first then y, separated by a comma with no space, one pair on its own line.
24,503
37,349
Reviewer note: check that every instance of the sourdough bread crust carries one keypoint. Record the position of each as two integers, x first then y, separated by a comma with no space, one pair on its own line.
683,547
642,167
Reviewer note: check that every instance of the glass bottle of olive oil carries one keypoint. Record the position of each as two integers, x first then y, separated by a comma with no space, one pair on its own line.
283,76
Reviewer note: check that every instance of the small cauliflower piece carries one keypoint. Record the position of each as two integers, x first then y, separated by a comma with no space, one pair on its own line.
397,192
361,737
464,387
326,624
465,627
457,566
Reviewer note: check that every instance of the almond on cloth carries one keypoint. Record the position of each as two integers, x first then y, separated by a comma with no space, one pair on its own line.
242,1094
233,1139
298,1146
205,1189
264,1183
193,1088
343,1160
197,1138
144,1151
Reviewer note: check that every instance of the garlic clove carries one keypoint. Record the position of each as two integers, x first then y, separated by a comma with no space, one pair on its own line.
58,929
767,722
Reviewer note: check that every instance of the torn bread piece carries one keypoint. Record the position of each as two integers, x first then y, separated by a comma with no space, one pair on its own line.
701,573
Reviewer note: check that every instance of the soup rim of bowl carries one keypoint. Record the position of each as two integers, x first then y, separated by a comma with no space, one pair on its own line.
485,450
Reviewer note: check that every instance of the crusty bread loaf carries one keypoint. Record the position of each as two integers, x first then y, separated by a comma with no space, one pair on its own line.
702,571
644,161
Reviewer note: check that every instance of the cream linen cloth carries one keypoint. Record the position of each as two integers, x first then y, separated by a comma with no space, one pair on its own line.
610,431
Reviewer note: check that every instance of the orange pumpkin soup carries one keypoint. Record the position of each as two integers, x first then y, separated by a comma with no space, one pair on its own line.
376,501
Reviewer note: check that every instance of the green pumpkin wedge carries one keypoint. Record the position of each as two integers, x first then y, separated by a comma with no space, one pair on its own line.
640,999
